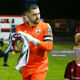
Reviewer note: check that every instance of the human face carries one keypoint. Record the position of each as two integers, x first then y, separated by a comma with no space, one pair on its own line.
77,60
34,16
77,54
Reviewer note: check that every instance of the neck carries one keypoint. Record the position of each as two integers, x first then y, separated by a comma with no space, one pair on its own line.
31,24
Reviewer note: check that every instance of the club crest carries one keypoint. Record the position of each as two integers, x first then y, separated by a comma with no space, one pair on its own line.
38,31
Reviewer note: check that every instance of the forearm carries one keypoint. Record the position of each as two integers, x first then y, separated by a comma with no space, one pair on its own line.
46,45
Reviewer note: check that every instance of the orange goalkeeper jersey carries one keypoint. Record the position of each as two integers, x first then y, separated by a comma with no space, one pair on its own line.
38,60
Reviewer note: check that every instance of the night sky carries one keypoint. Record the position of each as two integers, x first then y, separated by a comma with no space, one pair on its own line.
49,8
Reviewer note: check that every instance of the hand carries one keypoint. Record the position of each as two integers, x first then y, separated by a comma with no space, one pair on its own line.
30,38
20,69
19,45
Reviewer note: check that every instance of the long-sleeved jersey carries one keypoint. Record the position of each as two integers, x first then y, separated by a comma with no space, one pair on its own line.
38,60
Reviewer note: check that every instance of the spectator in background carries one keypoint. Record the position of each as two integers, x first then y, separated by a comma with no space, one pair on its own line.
2,53
72,71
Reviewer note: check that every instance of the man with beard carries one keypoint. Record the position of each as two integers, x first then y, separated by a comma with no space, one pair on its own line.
39,35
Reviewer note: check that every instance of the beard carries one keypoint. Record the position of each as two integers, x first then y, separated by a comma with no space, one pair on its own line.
36,21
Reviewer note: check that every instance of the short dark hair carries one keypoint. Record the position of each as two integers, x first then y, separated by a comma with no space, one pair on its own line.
31,6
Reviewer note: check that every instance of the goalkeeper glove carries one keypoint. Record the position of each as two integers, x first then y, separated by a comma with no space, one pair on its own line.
19,45
30,38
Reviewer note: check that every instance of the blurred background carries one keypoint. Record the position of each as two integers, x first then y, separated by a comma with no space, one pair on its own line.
63,15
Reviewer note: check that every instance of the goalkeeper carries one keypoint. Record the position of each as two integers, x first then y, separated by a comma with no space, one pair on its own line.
39,35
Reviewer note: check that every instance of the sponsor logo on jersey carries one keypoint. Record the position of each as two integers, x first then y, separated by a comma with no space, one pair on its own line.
49,31
71,70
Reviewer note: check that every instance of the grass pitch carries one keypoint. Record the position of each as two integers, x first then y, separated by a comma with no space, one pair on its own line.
56,66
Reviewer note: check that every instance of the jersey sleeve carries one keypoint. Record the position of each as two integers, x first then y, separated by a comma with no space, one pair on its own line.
18,28
47,42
